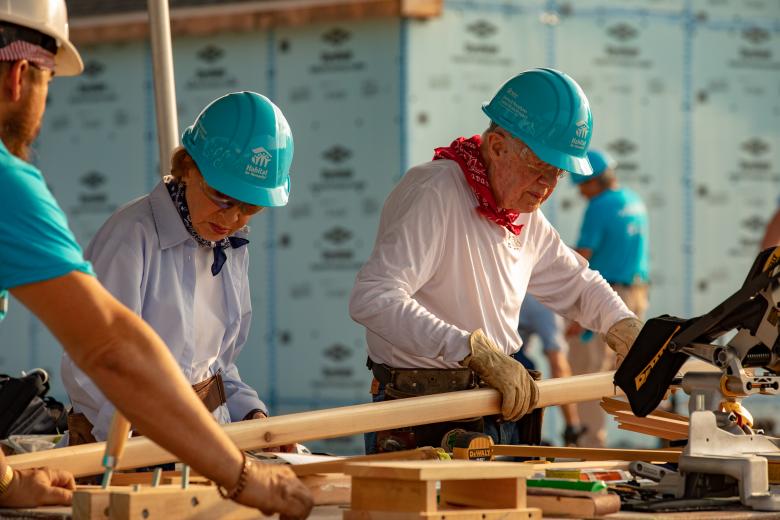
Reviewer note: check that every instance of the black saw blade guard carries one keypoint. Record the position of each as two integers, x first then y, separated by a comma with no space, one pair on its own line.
649,368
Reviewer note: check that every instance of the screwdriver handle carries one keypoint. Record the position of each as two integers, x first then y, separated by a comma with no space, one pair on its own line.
115,442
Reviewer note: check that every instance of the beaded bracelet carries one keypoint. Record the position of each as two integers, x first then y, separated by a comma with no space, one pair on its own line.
241,481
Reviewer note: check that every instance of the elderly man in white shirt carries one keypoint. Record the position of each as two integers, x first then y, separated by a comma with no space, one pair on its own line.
461,241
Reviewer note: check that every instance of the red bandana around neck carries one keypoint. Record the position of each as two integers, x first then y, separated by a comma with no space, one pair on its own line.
466,153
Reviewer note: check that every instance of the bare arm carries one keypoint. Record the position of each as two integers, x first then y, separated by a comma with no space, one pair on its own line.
134,369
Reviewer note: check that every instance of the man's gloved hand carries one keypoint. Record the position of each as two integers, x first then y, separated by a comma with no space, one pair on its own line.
621,336
519,393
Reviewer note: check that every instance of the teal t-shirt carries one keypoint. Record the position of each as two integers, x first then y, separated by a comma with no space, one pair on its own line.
615,229
36,243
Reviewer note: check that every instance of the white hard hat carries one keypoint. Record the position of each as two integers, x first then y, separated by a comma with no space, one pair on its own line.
49,17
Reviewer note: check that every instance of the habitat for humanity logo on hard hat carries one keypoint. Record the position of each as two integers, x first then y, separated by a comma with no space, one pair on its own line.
259,162
581,135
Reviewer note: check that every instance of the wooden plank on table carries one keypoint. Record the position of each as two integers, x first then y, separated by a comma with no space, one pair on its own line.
655,429
588,464
337,466
656,422
653,432
610,404
587,453
436,470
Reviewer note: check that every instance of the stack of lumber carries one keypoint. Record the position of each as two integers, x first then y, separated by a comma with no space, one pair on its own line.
661,424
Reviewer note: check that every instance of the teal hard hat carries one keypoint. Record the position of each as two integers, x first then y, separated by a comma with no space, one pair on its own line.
243,147
600,161
548,111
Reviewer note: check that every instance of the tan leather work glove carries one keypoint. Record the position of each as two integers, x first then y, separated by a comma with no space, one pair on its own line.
519,393
621,336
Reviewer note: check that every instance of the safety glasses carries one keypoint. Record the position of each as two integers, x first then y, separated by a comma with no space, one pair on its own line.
225,202
539,167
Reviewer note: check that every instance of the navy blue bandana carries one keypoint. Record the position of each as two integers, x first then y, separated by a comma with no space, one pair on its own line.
177,191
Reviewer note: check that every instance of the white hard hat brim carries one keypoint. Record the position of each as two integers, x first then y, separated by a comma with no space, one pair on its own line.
68,60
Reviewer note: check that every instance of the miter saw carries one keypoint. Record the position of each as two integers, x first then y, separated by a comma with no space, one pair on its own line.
724,456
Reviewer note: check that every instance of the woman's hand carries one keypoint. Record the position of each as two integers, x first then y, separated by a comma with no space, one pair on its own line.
39,487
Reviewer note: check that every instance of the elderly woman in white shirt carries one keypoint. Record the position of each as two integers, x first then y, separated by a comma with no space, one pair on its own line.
177,256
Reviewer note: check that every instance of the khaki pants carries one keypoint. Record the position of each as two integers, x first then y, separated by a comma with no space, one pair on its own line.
595,356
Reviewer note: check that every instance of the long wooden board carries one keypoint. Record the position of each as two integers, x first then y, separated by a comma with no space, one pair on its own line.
587,453
336,422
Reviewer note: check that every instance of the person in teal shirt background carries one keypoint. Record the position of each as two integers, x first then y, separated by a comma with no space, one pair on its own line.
614,229
614,239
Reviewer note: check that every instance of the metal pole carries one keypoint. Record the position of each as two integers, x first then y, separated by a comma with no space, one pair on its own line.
164,82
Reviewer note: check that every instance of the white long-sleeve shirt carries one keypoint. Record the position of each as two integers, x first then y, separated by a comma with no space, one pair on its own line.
439,270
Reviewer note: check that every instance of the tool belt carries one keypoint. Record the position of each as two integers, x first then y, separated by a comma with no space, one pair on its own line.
400,383
413,382
210,391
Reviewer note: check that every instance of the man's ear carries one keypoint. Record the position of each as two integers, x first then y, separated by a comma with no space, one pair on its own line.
14,78
496,144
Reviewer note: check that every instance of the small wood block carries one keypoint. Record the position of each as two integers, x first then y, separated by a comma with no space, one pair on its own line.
91,503
469,490
504,493
166,502
577,507
378,494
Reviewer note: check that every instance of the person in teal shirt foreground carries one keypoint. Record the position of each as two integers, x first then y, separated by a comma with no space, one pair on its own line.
614,239
42,266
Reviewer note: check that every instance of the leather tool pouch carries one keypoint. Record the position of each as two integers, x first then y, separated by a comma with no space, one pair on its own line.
211,391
